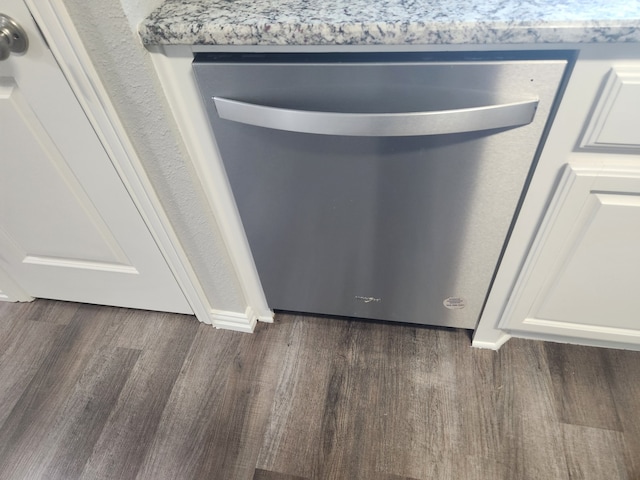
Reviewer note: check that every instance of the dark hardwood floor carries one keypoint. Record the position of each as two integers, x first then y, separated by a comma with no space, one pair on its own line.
107,393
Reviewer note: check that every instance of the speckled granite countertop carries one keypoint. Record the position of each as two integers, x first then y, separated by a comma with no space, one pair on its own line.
391,22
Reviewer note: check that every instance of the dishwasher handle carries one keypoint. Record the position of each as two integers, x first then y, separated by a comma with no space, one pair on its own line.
379,124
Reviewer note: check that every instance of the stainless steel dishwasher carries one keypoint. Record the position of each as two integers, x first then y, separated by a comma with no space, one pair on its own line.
379,186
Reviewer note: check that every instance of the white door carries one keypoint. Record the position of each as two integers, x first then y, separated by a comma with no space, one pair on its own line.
68,228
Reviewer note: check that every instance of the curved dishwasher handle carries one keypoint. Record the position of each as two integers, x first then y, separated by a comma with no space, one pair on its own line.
379,124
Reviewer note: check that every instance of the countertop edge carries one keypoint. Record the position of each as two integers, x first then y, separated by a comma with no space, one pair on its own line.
387,33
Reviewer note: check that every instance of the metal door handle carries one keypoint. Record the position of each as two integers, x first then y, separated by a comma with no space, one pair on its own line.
13,38
379,124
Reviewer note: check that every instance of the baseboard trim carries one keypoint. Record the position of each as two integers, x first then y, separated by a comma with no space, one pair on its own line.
491,345
240,322
266,319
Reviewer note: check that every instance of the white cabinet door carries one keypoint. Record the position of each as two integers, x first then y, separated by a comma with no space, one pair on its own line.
581,280
68,228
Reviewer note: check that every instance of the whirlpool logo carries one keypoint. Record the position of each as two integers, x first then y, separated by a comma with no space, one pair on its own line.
368,299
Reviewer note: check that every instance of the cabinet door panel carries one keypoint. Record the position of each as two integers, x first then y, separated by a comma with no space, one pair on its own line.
39,190
598,283
581,277
614,124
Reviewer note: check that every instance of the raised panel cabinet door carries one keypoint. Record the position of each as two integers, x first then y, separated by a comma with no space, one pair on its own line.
582,276
68,227
614,123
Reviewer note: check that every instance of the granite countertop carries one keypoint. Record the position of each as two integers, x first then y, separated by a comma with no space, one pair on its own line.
391,22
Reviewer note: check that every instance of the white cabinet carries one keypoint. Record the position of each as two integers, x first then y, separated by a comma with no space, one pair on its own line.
581,279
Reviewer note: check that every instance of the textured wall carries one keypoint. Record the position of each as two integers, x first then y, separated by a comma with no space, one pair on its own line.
137,10
107,29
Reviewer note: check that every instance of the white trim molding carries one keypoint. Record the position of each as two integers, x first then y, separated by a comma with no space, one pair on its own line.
490,340
173,66
240,322
68,49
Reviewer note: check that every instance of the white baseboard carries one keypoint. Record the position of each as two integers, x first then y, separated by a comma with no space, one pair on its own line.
491,344
240,322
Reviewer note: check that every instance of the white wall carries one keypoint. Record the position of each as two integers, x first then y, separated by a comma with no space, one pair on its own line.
108,30
137,10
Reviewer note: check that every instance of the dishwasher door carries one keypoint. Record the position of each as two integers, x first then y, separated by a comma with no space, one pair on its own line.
379,188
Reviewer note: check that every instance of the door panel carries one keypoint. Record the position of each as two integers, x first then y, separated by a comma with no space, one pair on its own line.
580,277
34,173
68,228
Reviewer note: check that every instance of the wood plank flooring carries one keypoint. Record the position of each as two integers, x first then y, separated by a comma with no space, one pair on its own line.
106,393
